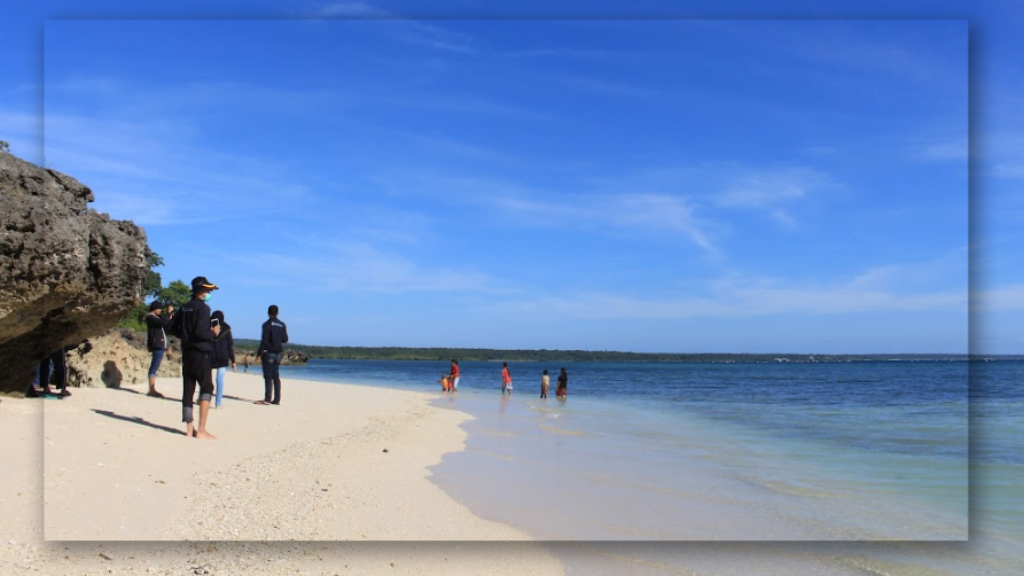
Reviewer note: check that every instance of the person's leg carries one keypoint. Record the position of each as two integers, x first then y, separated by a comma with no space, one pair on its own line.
220,384
154,366
190,373
268,376
44,375
277,379
60,370
205,395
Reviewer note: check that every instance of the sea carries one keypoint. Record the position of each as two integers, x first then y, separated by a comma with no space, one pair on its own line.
873,467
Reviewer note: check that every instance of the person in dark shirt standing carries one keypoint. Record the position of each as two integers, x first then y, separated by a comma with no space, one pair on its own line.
192,322
272,341
563,385
156,341
223,353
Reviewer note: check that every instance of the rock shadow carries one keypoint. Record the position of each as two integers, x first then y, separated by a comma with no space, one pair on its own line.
111,375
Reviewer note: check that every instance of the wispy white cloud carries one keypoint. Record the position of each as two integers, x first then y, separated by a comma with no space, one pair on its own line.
771,191
148,171
22,131
467,104
734,298
360,267
611,88
453,146
349,10
436,37
943,151
531,206
770,187
1000,299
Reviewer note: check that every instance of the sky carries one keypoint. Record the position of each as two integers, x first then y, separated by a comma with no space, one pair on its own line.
391,177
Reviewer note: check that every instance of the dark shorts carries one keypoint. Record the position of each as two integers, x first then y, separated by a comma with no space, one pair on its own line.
195,371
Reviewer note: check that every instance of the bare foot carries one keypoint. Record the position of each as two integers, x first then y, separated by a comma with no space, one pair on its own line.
205,435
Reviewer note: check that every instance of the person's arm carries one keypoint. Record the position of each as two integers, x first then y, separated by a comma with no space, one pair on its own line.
264,338
284,333
231,347
166,320
203,329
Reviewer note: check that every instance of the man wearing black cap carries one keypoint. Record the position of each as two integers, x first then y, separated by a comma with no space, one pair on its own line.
156,341
192,322
272,341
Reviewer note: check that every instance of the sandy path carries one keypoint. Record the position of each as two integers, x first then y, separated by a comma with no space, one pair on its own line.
312,469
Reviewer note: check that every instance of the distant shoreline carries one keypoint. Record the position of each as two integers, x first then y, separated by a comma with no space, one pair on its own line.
495,355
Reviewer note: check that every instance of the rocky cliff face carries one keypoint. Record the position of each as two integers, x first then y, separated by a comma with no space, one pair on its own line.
67,273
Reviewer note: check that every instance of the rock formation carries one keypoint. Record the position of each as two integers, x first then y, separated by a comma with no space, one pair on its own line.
115,358
67,273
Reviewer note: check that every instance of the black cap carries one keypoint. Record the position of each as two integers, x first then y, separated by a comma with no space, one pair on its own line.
155,305
201,283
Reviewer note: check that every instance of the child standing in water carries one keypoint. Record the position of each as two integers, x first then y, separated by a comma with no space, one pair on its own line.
444,382
545,381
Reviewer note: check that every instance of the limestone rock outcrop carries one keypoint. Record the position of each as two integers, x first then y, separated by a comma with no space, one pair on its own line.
115,358
67,272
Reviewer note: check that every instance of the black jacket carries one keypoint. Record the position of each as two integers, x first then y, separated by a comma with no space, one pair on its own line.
223,348
156,338
192,321
275,335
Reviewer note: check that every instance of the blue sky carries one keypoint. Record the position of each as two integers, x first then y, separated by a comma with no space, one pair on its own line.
650,185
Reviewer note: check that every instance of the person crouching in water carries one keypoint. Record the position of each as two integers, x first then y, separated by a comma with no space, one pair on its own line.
223,353
193,323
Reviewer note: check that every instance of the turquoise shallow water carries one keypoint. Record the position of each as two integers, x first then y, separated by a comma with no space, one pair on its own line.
877,451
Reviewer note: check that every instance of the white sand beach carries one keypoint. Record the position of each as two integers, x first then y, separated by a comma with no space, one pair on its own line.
313,475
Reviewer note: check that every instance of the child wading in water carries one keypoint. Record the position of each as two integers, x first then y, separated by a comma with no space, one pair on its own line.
545,381
444,382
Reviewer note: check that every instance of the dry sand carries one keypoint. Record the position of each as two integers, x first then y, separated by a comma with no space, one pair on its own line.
114,465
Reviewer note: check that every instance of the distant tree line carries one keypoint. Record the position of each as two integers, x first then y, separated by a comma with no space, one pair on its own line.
492,355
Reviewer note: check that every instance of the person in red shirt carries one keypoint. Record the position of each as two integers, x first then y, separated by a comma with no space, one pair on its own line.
506,379
453,378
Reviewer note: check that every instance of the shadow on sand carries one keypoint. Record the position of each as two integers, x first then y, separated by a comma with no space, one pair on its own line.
130,391
140,421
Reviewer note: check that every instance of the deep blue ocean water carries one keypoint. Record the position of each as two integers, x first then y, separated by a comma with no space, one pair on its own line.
865,451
